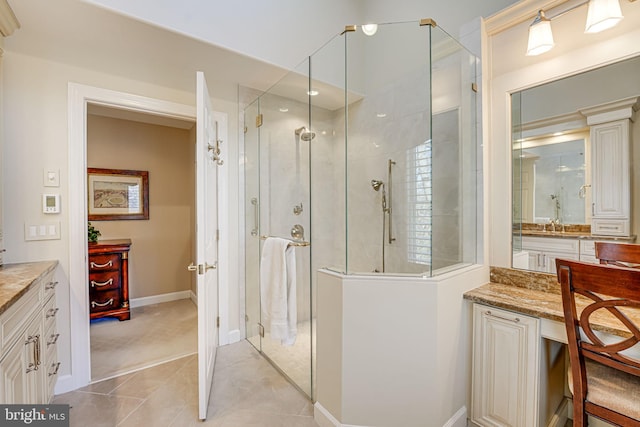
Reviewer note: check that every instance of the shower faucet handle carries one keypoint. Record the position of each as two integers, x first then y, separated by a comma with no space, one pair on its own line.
297,232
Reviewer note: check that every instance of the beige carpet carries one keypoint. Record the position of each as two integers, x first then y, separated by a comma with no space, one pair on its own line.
156,333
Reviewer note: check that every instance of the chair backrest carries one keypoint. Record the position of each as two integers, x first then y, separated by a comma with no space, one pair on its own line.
611,289
620,254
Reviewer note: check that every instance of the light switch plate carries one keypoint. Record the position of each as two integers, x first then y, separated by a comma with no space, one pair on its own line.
44,230
51,178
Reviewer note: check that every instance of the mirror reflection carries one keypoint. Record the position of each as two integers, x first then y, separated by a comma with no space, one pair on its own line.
572,141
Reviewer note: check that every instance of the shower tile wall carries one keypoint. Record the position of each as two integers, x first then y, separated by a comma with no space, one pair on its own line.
405,128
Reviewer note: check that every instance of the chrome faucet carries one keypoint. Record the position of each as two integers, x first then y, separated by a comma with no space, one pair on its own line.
554,223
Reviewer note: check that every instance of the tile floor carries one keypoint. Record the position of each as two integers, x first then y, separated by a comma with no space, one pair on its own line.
247,391
155,333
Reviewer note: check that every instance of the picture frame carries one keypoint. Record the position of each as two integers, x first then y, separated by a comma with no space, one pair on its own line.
117,194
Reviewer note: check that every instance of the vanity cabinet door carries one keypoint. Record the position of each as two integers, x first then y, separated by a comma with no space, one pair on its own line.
505,368
610,181
543,252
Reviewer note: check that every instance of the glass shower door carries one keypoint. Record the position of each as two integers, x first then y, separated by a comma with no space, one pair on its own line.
277,204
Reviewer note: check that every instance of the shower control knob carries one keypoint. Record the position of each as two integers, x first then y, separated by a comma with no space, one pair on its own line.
297,232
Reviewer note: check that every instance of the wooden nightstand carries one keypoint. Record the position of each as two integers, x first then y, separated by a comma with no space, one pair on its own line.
109,279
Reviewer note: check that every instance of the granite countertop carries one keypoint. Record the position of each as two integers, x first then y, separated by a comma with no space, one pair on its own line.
16,279
575,235
538,295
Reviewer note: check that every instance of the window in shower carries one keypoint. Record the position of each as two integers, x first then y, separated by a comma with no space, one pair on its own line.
419,204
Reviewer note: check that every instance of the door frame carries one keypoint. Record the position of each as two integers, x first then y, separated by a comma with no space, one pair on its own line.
78,97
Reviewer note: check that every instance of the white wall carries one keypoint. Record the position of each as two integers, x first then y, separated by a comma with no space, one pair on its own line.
36,137
510,70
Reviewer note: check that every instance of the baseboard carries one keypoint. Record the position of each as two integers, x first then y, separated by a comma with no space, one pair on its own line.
234,336
64,384
324,418
194,297
559,419
157,299
459,419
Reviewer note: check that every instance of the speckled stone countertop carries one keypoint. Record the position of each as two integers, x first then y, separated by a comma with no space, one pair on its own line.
575,235
16,279
538,295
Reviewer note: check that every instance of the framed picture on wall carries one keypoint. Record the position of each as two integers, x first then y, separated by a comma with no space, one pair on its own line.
116,194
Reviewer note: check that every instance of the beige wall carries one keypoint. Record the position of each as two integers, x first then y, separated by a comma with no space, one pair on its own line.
162,246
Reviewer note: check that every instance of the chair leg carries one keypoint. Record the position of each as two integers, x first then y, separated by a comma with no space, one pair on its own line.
579,415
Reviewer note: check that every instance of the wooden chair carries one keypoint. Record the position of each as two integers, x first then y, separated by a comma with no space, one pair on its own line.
605,380
620,254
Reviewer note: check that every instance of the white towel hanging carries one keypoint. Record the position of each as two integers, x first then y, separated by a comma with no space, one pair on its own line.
278,289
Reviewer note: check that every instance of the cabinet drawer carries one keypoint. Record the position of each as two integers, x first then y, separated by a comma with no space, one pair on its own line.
49,286
104,281
50,311
14,320
610,227
564,245
106,300
104,262
587,247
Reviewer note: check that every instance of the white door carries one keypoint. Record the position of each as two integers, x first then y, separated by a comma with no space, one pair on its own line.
206,240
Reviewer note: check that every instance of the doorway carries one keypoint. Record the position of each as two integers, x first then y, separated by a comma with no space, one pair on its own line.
163,323
80,96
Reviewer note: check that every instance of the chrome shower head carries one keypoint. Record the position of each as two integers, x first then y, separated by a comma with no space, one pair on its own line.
376,184
305,134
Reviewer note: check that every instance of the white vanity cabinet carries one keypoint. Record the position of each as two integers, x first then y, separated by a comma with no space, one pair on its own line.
610,180
505,368
28,356
543,251
609,126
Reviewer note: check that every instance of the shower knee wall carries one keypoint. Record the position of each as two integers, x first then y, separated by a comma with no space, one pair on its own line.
394,350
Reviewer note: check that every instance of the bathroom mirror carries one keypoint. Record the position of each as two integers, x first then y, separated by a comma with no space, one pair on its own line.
551,159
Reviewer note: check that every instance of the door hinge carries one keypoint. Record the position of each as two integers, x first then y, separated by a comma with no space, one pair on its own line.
246,317
217,234
474,87
218,322
259,120
261,330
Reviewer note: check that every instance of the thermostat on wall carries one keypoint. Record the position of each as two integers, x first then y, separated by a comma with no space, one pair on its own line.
51,203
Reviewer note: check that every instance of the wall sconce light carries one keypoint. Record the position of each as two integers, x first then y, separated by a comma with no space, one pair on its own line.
602,15
540,35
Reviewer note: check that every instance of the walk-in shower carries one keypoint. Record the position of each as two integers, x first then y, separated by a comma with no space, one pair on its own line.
394,112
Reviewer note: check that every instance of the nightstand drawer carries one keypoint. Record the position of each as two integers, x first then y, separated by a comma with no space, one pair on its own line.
104,262
103,301
104,281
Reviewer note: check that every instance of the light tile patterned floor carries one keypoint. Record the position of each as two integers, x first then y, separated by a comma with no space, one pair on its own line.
247,392
155,333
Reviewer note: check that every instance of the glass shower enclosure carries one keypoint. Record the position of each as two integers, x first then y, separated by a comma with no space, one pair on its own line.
365,157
